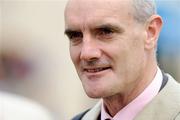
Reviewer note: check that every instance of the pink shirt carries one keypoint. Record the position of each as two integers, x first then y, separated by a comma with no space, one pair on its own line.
130,111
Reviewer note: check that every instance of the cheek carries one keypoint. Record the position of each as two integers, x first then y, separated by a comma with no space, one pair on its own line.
74,54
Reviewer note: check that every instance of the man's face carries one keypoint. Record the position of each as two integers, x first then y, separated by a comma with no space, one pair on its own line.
106,45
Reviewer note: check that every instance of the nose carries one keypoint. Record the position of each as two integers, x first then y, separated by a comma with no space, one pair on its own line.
90,50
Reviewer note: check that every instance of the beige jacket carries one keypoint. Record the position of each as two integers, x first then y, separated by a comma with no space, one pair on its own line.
165,106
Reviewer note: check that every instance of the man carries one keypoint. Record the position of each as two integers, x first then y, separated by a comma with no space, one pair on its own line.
113,47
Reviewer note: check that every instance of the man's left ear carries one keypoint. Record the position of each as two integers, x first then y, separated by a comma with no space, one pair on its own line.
153,28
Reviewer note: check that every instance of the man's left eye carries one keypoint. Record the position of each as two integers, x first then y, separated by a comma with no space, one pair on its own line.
105,31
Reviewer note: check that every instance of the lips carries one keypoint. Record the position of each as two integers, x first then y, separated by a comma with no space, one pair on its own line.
97,69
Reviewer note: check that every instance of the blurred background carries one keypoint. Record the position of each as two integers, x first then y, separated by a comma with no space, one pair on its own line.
34,56
169,40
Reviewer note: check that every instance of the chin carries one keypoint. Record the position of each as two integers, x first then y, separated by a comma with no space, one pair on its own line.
92,95
95,87
94,92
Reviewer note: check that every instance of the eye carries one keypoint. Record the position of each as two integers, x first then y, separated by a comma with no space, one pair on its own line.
74,36
104,32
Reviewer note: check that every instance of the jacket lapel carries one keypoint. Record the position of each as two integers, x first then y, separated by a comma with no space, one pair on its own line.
93,114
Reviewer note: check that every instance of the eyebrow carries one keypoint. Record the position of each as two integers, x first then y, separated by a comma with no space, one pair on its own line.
111,26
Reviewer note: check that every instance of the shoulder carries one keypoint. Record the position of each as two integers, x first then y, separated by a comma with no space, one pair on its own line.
21,108
172,85
167,101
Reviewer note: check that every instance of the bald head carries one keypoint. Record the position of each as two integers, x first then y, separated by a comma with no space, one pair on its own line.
141,9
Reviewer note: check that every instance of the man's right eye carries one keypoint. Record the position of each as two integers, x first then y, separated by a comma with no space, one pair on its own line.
75,36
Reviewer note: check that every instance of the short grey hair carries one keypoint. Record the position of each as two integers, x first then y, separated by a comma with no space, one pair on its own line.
143,9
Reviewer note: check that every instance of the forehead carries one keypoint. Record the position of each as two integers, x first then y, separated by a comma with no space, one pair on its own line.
92,12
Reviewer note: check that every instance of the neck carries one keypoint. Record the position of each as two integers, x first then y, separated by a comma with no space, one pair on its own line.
113,104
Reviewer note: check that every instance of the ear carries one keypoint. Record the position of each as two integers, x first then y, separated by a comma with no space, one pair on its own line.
153,28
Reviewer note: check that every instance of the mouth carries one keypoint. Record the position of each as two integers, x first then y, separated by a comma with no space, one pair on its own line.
96,70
